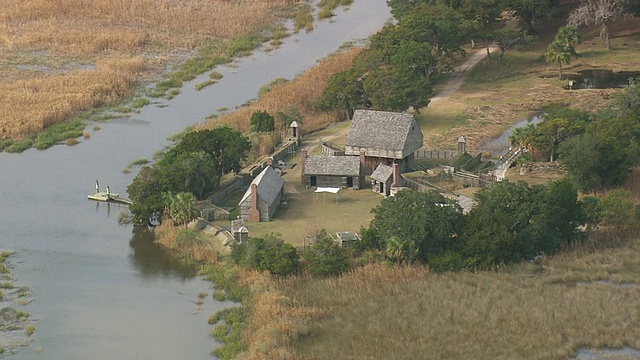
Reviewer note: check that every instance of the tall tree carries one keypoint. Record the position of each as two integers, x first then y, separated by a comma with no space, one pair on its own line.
532,11
226,147
602,13
558,54
509,39
570,36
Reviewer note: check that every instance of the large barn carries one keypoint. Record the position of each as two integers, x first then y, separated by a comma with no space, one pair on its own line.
385,138
263,197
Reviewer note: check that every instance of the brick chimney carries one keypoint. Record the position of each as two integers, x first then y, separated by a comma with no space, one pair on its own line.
303,160
254,213
363,161
397,181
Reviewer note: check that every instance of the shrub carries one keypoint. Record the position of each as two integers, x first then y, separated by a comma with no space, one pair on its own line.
262,121
326,258
269,254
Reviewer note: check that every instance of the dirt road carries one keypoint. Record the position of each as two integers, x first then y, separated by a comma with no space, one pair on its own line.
461,74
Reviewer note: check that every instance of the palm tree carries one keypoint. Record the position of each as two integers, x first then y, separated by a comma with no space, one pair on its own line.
559,53
182,207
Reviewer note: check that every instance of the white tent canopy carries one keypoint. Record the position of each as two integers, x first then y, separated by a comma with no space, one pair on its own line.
327,189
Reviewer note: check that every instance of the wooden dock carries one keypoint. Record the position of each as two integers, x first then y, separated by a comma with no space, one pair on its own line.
109,196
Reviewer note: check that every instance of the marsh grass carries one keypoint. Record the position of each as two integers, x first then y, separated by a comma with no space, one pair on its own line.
52,63
303,19
169,236
139,102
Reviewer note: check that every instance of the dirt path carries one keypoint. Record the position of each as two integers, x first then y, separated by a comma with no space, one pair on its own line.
461,74
453,85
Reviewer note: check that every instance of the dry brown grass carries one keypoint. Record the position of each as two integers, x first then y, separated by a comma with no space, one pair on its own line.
521,312
47,45
166,235
32,104
302,93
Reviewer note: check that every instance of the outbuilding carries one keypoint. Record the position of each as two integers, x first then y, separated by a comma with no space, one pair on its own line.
263,196
331,171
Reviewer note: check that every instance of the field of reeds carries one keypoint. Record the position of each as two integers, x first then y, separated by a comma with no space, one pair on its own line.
301,93
60,58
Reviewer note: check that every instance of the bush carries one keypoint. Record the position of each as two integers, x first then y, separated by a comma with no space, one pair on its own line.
269,254
326,258
262,121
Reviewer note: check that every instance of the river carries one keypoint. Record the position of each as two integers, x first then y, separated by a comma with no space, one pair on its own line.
99,290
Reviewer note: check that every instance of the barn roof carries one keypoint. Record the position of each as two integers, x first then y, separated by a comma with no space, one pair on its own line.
384,130
332,165
269,186
382,173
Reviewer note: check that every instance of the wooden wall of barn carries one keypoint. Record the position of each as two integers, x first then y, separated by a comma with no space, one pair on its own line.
334,181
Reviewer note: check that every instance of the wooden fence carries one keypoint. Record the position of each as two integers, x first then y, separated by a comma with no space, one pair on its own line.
435,154
330,150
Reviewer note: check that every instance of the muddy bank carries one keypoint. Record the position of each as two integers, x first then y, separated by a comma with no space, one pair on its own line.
16,326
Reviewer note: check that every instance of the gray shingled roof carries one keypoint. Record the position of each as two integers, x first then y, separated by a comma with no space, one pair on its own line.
384,130
269,186
382,173
332,165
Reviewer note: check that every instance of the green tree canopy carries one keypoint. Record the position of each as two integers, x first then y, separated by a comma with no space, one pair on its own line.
226,147
270,253
262,121
592,163
426,221
514,221
326,258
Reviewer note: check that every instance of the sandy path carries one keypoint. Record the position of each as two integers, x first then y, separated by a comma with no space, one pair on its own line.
461,73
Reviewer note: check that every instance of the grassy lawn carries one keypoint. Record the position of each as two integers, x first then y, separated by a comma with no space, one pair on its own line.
306,212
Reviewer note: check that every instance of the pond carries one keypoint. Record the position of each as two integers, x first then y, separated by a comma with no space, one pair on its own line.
499,145
599,79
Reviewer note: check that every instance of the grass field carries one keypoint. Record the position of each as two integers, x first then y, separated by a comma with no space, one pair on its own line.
497,95
306,212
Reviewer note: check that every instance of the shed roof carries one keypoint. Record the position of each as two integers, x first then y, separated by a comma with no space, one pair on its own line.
384,130
382,173
332,165
269,186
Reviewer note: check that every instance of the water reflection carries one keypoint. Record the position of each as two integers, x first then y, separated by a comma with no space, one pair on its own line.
152,260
